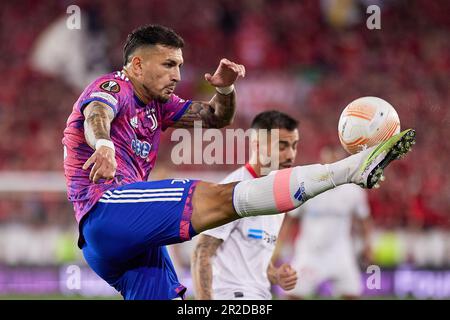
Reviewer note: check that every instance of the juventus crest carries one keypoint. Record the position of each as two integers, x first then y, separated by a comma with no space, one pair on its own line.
150,113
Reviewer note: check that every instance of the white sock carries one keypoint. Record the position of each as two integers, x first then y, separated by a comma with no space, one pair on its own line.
287,189
343,170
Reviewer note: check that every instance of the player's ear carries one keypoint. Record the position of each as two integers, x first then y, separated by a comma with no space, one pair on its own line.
136,65
253,140
254,145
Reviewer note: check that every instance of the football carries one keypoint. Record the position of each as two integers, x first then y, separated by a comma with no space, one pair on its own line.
366,122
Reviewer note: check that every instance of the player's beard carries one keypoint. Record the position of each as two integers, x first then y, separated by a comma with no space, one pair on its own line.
162,99
157,97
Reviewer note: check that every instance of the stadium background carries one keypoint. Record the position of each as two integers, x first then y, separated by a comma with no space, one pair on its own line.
307,58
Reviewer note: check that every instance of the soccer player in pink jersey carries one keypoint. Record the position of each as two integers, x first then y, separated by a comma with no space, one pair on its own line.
110,147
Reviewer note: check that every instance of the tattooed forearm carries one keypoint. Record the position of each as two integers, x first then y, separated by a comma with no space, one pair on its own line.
225,107
201,266
198,111
217,113
97,122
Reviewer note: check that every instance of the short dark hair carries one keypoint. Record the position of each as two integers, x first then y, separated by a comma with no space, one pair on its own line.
151,34
274,120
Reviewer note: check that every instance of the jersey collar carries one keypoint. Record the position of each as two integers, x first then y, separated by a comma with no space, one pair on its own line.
138,101
251,170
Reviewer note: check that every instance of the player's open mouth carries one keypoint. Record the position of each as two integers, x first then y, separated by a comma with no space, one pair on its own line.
170,89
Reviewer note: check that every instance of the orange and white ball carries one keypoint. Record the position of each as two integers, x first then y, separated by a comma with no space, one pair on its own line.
366,122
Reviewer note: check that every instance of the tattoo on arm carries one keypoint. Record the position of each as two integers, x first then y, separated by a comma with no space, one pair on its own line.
97,123
217,113
201,265
197,111
225,107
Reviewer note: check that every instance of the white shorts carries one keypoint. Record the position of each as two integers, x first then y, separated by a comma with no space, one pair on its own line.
313,270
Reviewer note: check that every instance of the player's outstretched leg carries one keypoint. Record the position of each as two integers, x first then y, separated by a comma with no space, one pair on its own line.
287,189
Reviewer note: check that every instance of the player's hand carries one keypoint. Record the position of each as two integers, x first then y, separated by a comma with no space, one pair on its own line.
286,277
105,164
226,74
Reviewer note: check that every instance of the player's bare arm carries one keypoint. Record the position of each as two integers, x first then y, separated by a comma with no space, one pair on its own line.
201,265
217,113
220,110
97,124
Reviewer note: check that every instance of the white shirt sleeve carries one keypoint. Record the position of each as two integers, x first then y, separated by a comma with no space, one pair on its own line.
222,232
297,212
229,179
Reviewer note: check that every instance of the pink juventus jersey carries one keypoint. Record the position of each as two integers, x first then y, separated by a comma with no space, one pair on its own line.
135,132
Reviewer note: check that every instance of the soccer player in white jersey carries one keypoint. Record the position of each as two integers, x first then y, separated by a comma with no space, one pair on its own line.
234,261
324,248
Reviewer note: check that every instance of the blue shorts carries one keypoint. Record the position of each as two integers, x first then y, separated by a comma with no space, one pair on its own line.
125,233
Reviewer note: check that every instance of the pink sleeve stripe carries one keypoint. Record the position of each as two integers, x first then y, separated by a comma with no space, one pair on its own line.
281,190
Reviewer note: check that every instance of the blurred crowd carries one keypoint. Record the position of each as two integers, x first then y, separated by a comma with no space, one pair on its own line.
308,58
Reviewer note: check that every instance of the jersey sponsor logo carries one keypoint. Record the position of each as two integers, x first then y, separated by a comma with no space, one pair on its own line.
255,233
105,96
110,86
141,148
260,234
269,238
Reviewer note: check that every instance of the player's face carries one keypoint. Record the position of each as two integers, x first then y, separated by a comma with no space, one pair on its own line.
287,147
161,71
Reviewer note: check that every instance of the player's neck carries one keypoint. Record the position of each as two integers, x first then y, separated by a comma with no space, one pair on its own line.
138,91
254,167
138,88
